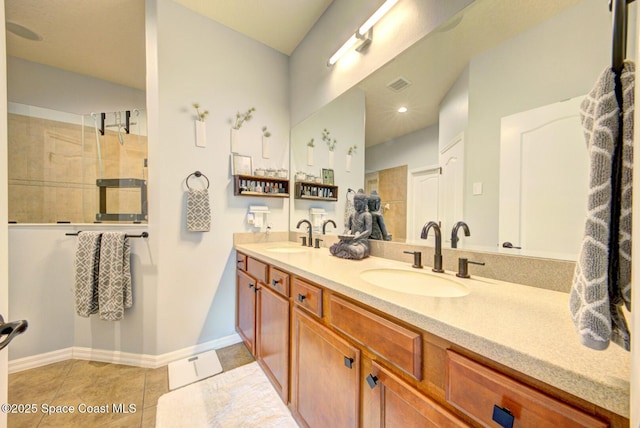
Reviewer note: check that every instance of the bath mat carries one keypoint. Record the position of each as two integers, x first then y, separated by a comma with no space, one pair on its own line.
242,397
192,369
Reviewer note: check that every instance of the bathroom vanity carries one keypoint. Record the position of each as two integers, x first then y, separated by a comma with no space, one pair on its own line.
344,350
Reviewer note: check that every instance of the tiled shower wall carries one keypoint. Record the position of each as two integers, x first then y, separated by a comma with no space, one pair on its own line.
53,171
391,185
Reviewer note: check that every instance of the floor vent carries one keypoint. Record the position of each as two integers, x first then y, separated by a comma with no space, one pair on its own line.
398,84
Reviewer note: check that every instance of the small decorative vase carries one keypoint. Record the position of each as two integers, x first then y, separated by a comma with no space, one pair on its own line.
266,152
331,159
234,140
309,156
348,164
201,134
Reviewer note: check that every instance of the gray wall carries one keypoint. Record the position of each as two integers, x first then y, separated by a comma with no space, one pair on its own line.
183,281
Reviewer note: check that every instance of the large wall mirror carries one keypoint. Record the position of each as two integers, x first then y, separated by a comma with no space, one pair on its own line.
491,135
77,135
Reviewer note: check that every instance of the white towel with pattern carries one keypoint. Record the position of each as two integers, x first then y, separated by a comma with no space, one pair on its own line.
198,210
597,296
114,280
87,263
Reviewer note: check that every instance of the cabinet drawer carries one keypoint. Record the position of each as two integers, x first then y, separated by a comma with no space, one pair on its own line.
476,389
257,269
399,345
307,296
279,281
241,261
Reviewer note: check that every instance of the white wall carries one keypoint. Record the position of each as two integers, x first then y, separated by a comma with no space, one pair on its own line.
453,117
183,281
201,60
40,85
417,149
313,84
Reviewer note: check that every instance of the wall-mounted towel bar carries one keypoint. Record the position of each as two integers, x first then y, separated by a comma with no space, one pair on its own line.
141,235
196,174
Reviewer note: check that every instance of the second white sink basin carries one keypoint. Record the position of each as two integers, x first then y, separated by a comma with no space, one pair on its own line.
417,283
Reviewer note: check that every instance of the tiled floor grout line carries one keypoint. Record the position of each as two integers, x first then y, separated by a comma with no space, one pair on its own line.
71,374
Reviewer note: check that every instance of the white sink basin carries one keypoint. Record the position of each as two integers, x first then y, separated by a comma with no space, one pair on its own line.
287,249
417,283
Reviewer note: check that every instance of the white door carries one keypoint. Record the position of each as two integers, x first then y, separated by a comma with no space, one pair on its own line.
4,232
423,200
544,179
451,186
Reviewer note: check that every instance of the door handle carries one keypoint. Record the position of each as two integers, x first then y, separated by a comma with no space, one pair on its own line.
11,330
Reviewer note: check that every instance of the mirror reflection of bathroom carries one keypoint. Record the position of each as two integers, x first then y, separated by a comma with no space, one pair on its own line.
76,86
69,168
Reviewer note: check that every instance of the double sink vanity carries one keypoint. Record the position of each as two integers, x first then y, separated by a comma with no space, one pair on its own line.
376,342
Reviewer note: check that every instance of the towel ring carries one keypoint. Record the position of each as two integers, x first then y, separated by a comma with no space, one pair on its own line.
197,174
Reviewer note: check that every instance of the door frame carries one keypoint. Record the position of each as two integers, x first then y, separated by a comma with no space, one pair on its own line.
4,220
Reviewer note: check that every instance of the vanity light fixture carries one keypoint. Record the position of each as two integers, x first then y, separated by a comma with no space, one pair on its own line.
363,33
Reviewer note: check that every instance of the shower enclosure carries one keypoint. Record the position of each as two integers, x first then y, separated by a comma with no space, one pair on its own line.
68,168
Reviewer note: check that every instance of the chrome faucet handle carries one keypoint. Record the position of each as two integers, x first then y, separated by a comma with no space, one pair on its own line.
417,258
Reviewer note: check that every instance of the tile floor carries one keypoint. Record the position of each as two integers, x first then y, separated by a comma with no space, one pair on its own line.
90,385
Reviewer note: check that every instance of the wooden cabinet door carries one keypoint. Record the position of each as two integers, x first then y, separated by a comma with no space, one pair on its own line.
246,309
272,338
324,390
394,403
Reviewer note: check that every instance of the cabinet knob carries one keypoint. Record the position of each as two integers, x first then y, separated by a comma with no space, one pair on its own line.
251,285
301,298
502,416
348,361
372,380
275,282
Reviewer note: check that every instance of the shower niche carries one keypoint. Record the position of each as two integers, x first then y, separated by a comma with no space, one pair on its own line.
68,168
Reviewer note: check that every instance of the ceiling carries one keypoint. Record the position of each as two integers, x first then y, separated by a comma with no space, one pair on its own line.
433,64
106,38
81,36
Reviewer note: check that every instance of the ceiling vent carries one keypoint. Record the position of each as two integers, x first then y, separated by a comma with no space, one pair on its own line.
398,84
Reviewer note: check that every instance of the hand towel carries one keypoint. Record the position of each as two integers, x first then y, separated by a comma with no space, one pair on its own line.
198,210
596,296
349,209
87,262
114,279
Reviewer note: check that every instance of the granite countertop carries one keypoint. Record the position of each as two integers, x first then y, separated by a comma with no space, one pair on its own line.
526,328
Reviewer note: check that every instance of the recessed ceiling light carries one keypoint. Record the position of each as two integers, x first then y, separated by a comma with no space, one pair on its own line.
402,109
22,31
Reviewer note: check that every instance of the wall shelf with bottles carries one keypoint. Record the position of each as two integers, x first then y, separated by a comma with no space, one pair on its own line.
251,185
316,191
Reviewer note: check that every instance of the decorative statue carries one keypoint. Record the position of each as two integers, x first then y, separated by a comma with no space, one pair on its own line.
379,230
354,243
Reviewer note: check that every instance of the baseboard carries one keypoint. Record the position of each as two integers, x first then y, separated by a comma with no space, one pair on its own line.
117,357
39,360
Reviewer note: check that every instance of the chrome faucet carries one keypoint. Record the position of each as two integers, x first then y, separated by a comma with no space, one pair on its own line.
437,257
308,240
324,225
454,233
